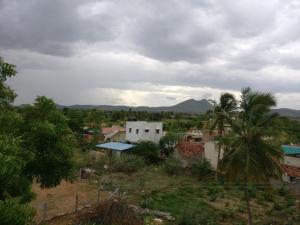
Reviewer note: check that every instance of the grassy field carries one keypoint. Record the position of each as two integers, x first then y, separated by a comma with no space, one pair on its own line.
189,199
186,196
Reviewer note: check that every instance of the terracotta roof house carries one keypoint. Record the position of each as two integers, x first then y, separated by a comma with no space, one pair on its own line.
189,151
291,165
114,133
291,171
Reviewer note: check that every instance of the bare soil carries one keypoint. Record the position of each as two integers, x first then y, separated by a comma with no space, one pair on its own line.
61,199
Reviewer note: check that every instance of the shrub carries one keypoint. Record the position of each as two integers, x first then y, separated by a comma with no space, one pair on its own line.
268,195
202,168
148,150
168,142
278,206
196,217
115,211
147,202
12,212
127,163
283,191
173,166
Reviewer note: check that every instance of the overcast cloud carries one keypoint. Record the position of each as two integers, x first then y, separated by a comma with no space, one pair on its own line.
152,53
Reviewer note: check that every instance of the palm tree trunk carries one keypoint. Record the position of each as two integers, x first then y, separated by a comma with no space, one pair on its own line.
218,160
249,212
220,134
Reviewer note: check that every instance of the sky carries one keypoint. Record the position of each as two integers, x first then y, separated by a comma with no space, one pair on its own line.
154,53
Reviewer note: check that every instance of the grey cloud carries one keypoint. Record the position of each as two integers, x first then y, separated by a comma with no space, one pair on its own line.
50,27
64,47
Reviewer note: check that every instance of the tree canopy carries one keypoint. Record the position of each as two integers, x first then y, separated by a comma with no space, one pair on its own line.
36,144
251,154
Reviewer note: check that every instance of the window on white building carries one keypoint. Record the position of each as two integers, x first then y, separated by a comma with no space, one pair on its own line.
130,129
137,131
157,131
146,130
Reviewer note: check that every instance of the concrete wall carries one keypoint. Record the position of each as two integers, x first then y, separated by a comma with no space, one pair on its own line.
120,136
142,130
292,161
211,153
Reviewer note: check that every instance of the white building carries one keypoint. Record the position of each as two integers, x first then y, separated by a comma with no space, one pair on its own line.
211,153
144,131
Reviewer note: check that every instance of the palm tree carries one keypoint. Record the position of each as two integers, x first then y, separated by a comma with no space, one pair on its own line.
218,118
251,155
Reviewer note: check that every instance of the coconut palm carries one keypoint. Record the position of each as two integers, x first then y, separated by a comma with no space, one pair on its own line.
251,155
218,116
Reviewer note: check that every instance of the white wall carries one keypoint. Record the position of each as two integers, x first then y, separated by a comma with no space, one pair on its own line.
142,126
211,153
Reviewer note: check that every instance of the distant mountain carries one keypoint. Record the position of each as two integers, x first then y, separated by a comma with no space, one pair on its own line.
189,106
293,113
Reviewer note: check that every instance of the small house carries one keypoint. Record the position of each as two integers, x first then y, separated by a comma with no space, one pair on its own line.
143,131
115,148
291,165
114,133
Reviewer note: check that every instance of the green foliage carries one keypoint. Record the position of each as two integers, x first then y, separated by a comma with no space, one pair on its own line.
50,141
95,118
149,220
173,166
12,163
250,154
7,95
75,119
127,163
14,213
202,168
148,150
196,216
168,142
147,202
283,191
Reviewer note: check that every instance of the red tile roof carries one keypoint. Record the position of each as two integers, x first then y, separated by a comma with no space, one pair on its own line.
190,148
292,171
107,130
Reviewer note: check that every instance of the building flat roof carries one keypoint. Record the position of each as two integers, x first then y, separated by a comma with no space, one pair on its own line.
117,146
291,150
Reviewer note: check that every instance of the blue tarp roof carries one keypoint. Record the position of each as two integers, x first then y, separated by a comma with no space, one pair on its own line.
116,146
291,150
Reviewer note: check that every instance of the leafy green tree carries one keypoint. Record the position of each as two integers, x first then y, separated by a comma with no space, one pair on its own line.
14,213
168,143
148,150
13,182
7,95
49,139
75,119
218,116
95,118
250,152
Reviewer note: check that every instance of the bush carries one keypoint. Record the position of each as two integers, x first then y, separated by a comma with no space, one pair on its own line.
268,195
196,217
127,163
173,166
283,191
147,202
12,212
202,168
148,150
278,206
168,142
